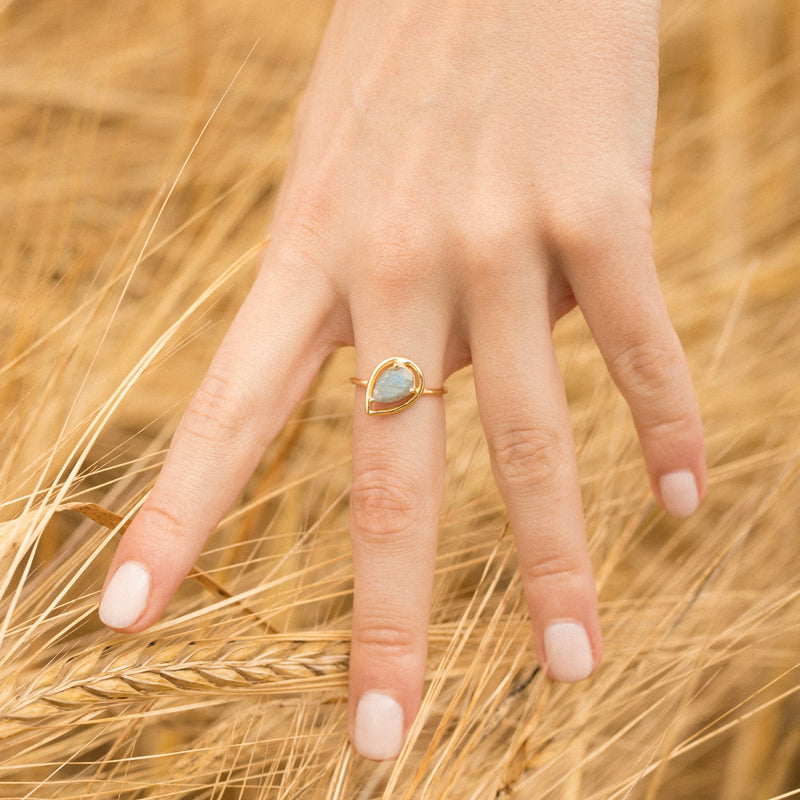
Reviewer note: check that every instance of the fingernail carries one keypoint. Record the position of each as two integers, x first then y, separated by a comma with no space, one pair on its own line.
125,597
569,653
679,493
379,726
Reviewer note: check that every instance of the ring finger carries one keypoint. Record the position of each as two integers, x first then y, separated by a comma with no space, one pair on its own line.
398,484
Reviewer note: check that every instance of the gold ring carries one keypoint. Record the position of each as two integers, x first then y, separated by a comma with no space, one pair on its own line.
394,385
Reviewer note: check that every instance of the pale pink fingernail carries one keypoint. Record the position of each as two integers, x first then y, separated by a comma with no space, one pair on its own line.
379,726
125,597
568,651
679,493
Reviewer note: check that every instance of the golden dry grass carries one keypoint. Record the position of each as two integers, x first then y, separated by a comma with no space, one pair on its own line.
129,232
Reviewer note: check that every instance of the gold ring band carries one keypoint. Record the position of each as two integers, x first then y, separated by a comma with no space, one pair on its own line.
394,385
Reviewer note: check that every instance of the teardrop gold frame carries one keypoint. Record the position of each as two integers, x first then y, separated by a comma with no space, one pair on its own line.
393,363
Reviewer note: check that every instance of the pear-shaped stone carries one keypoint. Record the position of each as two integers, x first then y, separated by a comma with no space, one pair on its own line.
393,385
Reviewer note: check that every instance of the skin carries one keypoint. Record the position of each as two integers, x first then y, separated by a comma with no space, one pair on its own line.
463,174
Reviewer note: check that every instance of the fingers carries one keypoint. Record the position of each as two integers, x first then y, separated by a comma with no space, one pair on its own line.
398,484
610,268
524,413
259,374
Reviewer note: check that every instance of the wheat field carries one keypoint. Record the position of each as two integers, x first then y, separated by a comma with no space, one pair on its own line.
142,143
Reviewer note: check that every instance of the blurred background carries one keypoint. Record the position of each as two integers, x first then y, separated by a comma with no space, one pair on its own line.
141,144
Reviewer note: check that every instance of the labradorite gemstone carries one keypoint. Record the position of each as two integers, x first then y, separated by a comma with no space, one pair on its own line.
393,385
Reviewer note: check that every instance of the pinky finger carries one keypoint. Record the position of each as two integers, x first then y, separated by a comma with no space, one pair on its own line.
624,307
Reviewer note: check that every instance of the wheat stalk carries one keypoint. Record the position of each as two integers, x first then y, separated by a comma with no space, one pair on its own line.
104,678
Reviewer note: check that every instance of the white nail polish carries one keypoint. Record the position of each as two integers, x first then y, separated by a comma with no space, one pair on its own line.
125,597
379,726
568,651
679,493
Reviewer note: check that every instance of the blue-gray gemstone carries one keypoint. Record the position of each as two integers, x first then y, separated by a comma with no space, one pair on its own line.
393,385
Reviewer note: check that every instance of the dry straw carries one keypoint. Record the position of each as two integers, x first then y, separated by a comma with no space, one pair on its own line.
132,208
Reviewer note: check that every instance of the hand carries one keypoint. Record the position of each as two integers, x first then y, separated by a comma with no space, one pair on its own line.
463,173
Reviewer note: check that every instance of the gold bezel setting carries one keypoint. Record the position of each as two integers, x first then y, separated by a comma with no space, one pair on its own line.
374,405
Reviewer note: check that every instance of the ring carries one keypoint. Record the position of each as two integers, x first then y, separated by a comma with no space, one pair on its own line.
394,385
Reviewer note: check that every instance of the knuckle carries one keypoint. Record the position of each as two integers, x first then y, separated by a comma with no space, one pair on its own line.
575,222
304,241
647,369
529,456
654,378
382,505
219,411
559,567
389,636
491,249
672,428
583,221
392,281
401,250
164,520
306,216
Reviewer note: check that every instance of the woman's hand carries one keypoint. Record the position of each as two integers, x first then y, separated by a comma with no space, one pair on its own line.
464,172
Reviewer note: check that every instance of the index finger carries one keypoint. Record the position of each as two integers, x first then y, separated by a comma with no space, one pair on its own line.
261,371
